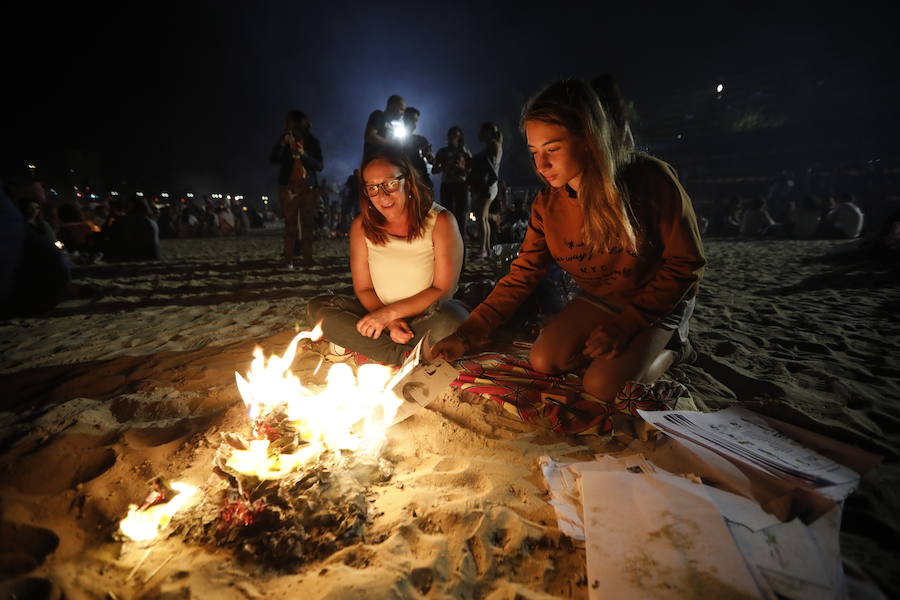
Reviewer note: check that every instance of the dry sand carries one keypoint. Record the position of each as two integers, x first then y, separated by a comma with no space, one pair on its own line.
103,394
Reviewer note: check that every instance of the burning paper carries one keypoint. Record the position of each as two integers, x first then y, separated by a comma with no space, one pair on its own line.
145,523
351,412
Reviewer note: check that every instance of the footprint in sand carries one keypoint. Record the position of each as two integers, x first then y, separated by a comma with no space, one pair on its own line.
23,548
32,588
62,464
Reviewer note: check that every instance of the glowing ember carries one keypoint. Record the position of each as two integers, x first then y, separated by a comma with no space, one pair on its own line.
350,413
141,525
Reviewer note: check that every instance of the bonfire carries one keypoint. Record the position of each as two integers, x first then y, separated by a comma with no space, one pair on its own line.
292,488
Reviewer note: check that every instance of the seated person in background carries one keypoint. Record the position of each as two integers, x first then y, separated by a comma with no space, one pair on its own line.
34,219
806,219
405,258
74,233
620,223
134,236
845,219
756,220
34,273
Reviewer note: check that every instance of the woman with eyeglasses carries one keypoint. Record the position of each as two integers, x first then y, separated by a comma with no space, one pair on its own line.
405,258
620,223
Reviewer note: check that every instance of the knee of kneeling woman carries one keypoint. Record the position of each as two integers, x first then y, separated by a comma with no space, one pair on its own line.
603,384
545,361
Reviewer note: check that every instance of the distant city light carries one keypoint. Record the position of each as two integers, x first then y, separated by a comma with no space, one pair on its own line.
164,195
140,194
228,197
59,244
32,167
678,136
114,193
265,197
190,194
471,216
94,196
265,201
720,88
238,197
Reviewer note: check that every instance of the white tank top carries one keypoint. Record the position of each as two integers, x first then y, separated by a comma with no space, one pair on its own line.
400,269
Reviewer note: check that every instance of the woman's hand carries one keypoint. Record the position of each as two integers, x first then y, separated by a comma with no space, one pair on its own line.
602,343
400,331
374,323
451,347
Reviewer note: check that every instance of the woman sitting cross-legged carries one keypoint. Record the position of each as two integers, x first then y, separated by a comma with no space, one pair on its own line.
405,257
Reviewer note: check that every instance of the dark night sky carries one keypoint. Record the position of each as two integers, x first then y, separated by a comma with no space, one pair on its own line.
194,97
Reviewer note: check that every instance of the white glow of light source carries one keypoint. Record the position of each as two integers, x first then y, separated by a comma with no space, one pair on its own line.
32,167
164,195
228,196
265,197
59,244
140,194
471,216
398,129
720,88
265,201
190,195
114,193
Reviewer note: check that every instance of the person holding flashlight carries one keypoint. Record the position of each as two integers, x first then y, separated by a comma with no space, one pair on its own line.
620,223
405,260
298,154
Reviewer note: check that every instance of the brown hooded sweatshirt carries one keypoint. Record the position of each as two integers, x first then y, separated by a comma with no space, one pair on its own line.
639,288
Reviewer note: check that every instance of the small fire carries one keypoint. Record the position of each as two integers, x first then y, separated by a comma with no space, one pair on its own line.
145,524
352,412
257,461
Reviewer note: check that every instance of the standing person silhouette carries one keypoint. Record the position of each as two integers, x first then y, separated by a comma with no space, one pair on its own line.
620,223
299,156
484,181
452,162
417,147
378,136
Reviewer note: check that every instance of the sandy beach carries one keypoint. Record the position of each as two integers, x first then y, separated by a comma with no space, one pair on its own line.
105,393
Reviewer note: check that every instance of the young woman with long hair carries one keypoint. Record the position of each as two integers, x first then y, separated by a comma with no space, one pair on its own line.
405,259
620,223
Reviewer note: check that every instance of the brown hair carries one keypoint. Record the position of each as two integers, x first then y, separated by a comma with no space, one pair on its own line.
418,200
572,104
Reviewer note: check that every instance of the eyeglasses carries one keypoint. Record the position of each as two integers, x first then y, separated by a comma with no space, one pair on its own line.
388,187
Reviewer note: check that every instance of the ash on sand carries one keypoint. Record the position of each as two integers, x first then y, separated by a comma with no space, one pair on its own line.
285,523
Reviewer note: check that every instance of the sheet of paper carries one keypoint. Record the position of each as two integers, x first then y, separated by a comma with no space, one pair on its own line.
565,490
421,381
745,436
646,537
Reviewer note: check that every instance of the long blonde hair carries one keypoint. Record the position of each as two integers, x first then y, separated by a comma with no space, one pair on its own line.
571,103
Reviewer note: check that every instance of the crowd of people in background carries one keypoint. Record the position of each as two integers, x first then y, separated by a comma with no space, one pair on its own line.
759,216
85,228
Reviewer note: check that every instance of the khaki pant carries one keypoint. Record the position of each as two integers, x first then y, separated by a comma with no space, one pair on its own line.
298,200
